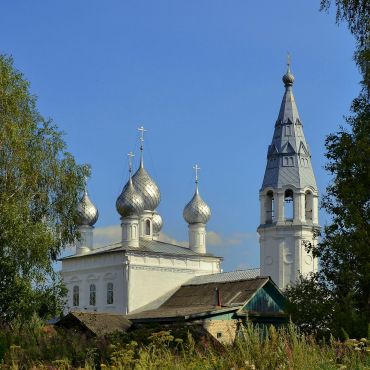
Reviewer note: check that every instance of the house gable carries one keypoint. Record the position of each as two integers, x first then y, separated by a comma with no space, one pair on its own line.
267,299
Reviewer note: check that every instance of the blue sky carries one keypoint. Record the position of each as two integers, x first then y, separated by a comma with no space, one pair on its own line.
203,76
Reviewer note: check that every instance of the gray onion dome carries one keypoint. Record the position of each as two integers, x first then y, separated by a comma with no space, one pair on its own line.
148,189
288,78
157,223
130,202
197,210
87,213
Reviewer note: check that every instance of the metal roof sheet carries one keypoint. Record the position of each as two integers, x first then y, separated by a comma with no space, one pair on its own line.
225,277
147,246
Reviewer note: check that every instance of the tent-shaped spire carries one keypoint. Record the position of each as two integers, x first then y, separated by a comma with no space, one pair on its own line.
288,156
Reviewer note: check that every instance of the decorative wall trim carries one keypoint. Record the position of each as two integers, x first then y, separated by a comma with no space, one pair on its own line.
168,269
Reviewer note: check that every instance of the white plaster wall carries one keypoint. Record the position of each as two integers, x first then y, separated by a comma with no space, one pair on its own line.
283,255
152,277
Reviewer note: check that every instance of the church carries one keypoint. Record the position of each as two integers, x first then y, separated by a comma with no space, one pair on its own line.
141,272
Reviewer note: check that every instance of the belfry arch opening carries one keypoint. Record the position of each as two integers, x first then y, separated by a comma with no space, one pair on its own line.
308,205
289,204
269,207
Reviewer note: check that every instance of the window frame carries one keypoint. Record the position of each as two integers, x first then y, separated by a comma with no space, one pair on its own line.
110,293
76,296
92,295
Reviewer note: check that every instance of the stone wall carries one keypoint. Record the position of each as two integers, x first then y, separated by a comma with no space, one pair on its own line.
223,330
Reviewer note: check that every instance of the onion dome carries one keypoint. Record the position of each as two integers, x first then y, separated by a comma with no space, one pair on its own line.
130,202
148,189
157,223
87,213
288,78
197,210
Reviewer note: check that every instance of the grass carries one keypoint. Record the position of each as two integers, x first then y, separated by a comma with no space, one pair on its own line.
35,346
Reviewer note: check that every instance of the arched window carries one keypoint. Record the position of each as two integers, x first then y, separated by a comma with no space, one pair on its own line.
110,295
92,300
308,205
288,204
269,207
76,295
147,227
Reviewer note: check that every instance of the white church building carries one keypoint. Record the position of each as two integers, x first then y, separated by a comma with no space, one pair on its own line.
141,271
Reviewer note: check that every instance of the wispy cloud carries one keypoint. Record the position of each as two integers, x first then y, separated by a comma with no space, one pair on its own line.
107,235
112,234
238,238
169,239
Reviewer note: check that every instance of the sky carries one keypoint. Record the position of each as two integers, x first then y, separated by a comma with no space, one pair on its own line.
203,77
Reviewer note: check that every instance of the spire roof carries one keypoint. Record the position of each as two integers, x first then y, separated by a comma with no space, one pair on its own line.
288,156
288,108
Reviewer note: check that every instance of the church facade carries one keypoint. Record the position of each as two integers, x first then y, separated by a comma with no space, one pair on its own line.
140,271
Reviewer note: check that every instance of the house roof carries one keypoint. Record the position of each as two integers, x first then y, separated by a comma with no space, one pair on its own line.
200,299
147,246
96,323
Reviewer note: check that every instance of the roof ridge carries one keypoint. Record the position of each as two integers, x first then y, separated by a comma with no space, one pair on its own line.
228,282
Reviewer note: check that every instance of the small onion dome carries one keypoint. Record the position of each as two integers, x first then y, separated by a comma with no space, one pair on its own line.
288,78
87,213
197,210
130,202
148,189
157,223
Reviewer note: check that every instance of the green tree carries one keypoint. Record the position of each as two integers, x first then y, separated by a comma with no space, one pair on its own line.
39,187
342,285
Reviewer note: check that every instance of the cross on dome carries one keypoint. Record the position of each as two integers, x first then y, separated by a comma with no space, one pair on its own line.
130,156
142,130
196,169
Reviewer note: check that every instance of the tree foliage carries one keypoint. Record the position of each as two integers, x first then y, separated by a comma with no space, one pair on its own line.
337,298
342,285
39,187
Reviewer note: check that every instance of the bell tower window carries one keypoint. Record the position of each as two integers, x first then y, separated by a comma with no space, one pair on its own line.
269,207
308,205
288,204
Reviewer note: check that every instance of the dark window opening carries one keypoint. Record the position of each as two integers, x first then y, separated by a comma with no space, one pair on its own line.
147,227
92,299
110,293
270,207
76,295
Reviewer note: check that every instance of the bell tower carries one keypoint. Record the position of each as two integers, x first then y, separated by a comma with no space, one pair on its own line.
288,198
